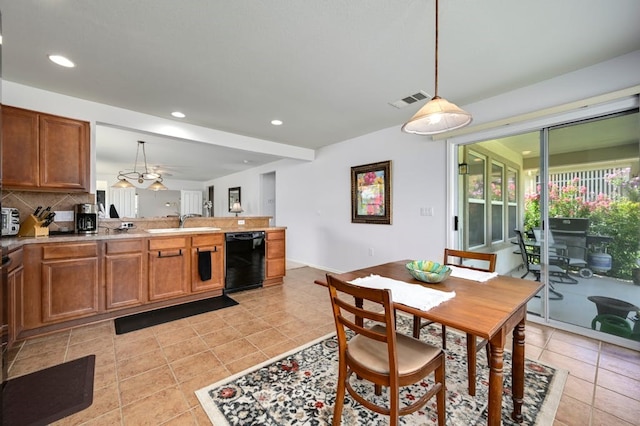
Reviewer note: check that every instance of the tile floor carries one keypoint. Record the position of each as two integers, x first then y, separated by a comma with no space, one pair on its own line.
148,377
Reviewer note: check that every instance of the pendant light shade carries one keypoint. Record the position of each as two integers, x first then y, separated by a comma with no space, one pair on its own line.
122,183
438,115
157,186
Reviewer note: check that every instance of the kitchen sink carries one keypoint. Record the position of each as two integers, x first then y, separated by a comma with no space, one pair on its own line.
181,230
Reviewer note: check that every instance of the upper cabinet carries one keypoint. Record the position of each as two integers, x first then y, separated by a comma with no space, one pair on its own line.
44,152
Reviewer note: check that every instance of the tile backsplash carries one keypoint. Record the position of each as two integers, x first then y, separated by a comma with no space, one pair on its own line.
27,201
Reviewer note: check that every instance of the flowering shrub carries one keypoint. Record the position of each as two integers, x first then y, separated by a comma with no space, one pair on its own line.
616,215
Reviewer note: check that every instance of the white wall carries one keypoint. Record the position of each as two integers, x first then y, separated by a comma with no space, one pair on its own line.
313,199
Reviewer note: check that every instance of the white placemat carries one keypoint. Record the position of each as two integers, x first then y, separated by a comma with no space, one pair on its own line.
471,274
413,295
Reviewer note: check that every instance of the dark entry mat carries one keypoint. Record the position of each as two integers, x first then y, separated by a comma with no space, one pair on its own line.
45,396
160,316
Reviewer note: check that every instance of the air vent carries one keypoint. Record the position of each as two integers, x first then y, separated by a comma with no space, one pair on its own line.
406,101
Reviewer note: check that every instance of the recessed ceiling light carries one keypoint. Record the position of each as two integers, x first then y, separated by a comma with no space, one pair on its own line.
526,152
178,114
276,122
62,61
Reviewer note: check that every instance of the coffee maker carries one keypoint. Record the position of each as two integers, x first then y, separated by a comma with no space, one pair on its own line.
86,218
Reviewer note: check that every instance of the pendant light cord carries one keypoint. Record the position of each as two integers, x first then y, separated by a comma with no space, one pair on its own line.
436,88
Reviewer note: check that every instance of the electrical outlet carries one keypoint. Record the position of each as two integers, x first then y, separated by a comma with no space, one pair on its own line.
240,221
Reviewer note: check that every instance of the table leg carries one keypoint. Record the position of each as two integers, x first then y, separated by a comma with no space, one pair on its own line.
496,364
517,373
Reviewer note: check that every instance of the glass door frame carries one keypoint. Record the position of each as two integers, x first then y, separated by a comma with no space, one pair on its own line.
542,125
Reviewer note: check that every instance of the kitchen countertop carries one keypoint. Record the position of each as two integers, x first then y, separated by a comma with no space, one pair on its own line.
12,243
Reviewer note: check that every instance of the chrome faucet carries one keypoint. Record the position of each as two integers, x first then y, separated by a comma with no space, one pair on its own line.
184,217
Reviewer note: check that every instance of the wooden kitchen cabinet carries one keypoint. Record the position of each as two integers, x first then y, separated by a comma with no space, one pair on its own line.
169,268
275,257
44,152
15,286
214,244
70,282
125,273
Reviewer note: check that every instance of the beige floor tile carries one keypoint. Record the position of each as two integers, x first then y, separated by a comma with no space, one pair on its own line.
617,404
185,348
577,368
241,364
189,367
572,350
155,409
619,383
231,351
573,412
620,365
621,353
185,419
266,338
128,349
574,339
105,400
221,336
600,418
172,337
139,364
579,389
201,380
147,383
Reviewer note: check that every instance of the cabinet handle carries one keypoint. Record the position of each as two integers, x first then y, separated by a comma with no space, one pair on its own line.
214,249
170,255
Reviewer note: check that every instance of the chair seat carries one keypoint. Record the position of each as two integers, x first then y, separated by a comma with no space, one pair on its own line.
412,353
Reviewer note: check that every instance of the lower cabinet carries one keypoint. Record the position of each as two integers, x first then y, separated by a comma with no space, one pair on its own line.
275,257
207,254
169,268
15,285
125,273
70,281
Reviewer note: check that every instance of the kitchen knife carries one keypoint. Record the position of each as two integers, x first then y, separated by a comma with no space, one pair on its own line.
49,220
44,213
35,213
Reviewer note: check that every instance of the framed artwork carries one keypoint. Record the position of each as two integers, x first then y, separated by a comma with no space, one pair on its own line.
234,196
371,193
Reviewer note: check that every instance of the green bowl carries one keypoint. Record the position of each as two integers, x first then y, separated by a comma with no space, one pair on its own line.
428,271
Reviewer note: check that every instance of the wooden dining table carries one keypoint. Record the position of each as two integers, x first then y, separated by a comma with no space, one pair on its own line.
489,310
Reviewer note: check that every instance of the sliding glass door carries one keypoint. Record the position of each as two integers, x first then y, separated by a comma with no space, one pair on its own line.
561,204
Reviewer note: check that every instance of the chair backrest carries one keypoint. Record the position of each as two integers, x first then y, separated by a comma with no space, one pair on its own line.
523,248
538,234
343,301
461,256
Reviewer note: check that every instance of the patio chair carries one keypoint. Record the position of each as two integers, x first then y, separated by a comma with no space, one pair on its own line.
474,260
381,355
531,262
563,250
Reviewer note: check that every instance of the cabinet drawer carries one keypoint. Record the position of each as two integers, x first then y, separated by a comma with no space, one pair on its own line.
119,247
167,243
207,240
275,235
275,249
70,251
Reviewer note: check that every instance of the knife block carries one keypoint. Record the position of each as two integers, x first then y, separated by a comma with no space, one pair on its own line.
31,227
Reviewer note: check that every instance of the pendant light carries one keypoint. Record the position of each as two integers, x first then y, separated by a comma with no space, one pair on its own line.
438,115
141,176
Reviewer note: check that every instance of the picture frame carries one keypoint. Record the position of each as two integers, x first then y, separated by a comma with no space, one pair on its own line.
234,196
371,193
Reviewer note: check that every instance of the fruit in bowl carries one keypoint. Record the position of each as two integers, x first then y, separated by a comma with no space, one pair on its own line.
428,271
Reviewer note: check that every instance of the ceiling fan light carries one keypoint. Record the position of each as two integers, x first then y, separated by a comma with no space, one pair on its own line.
437,116
122,183
157,186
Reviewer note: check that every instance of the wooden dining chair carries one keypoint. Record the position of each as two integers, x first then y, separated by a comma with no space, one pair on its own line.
485,262
379,354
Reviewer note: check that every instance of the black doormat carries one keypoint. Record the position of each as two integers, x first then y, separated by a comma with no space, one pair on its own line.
160,316
45,396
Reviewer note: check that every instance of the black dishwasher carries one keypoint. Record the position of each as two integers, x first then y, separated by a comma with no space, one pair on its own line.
244,261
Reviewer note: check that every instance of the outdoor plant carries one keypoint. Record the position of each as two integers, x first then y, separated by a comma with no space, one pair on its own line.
616,215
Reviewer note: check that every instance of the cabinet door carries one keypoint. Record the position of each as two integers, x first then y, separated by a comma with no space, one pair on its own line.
20,156
168,273
16,302
64,153
275,255
125,274
217,269
69,289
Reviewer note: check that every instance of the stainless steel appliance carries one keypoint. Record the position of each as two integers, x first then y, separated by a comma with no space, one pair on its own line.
244,260
86,218
10,221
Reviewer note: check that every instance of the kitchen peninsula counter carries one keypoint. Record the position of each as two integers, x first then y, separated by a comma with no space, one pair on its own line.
73,279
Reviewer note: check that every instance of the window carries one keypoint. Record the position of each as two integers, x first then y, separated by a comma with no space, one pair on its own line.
492,199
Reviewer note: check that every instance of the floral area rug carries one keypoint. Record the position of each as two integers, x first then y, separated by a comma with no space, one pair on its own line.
299,388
